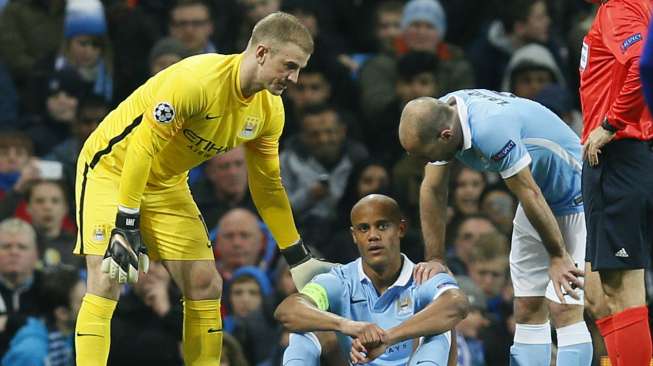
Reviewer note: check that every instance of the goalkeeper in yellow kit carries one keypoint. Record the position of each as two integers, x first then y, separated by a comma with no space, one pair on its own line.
133,199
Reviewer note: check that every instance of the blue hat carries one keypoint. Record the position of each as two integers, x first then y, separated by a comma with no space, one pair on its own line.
84,17
258,275
425,10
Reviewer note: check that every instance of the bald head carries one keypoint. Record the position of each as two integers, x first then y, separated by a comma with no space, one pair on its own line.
379,203
239,217
422,120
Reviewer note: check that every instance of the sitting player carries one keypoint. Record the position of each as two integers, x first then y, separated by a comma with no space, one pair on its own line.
378,288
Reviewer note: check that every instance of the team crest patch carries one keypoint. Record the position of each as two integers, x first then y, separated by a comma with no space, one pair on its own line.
98,233
404,306
504,151
250,127
164,112
625,45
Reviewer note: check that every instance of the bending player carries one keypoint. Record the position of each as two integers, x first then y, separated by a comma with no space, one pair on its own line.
132,174
378,288
538,157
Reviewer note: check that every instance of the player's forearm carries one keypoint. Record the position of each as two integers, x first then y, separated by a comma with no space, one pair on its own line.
271,200
540,216
299,315
135,172
438,317
433,216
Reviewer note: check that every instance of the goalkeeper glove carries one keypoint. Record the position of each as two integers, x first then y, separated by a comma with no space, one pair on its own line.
303,267
126,254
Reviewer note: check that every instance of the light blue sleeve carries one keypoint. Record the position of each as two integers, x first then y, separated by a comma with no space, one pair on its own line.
500,143
327,291
431,289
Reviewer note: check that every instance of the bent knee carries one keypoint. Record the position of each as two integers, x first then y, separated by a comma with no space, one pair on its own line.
530,310
204,285
99,283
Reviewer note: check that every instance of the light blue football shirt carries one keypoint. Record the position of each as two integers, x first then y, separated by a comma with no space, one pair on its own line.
504,134
352,295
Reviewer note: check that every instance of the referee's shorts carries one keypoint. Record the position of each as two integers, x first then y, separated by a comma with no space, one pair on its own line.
618,200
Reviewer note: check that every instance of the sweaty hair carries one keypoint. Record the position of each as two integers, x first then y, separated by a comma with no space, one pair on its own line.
282,28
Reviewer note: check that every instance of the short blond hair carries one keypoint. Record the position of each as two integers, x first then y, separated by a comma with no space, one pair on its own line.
282,28
15,225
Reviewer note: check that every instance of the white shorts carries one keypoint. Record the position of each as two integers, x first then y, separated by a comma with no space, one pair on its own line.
529,261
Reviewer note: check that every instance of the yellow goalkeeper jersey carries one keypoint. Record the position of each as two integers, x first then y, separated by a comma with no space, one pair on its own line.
183,116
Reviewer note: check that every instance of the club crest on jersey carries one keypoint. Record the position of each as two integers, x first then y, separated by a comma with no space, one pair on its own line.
164,112
625,45
404,306
249,129
504,151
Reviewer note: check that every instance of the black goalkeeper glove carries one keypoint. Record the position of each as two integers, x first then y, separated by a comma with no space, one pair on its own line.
303,266
126,254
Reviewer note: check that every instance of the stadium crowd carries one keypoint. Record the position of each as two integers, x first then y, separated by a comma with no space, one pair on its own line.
65,64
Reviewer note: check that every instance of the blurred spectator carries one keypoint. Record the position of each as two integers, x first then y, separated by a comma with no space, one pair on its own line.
239,242
90,112
471,351
499,206
387,26
424,26
417,77
147,325
29,30
521,22
47,340
531,69
15,154
223,187
232,352
466,186
251,12
47,207
315,167
190,23
488,268
559,100
20,282
466,235
407,177
283,283
251,322
64,90
166,52
329,52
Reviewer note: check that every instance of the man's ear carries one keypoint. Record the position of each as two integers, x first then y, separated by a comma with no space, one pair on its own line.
446,134
262,53
403,227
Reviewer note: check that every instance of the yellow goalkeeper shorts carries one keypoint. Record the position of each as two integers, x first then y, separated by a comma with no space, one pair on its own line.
171,224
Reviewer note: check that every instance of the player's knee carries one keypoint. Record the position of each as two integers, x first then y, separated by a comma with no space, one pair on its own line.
99,283
565,314
596,305
205,285
530,310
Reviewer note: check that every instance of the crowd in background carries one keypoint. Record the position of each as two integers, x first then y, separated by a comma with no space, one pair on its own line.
65,64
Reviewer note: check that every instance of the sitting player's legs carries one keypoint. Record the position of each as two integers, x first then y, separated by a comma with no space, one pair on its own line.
433,351
529,269
96,198
172,225
308,348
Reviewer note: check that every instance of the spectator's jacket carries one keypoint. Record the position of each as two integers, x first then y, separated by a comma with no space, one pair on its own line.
299,171
35,345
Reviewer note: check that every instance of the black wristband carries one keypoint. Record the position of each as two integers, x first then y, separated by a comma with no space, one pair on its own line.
127,221
296,254
608,127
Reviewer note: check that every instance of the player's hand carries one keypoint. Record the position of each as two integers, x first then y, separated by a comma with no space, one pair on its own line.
126,254
362,353
303,267
423,271
356,329
565,277
595,141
